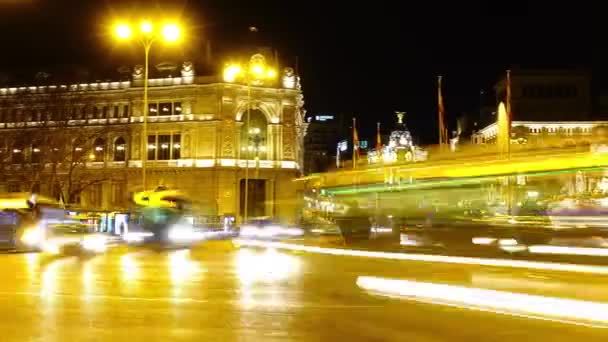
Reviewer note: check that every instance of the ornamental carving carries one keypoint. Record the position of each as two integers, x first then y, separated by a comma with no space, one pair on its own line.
228,140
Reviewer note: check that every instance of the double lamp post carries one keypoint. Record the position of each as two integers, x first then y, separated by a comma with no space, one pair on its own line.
146,34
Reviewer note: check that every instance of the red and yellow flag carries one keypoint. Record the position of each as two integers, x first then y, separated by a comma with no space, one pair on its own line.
355,143
378,139
443,131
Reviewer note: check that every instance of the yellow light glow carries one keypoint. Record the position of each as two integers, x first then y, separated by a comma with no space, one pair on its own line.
503,302
146,27
550,266
231,72
122,31
257,70
271,74
171,32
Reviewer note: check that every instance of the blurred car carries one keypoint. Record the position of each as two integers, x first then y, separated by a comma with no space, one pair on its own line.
65,237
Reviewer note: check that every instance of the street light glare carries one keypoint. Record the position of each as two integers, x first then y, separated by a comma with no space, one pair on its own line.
271,73
122,31
231,72
171,32
257,70
146,27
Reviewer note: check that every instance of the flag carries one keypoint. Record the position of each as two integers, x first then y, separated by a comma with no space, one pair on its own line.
378,140
443,131
355,143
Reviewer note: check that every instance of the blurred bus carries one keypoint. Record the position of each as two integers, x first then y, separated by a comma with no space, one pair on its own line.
505,212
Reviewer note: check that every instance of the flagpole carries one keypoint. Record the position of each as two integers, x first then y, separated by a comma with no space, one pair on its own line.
508,109
441,128
354,142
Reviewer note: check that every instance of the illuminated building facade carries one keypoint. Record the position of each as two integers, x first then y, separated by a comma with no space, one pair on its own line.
196,141
400,147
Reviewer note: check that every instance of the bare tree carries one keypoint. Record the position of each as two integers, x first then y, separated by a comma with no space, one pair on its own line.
55,138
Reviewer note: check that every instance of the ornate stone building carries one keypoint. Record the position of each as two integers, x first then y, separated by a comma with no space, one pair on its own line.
197,141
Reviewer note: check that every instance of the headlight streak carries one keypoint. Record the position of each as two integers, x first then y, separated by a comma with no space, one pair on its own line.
548,266
593,314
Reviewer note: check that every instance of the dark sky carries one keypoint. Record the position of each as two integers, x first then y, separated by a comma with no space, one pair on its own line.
365,58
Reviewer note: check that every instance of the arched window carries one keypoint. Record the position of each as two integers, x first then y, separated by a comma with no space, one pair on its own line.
253,141
120,147
77,149
99,147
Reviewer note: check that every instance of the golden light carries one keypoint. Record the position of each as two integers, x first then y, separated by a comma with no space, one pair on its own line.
122,31
171,32
231,72
271,73
146,27
257,70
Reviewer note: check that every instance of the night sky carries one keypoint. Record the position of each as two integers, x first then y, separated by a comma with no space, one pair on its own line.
366,59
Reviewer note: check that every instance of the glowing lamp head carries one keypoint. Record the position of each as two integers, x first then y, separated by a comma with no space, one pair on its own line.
271,74
146,27
171,32
122,31
231,73
257,70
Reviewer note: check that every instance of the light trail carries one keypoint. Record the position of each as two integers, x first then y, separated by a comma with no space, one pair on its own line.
546,266
570,311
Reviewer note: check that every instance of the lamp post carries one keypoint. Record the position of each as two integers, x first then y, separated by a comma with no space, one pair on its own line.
146,36
254,73
254,148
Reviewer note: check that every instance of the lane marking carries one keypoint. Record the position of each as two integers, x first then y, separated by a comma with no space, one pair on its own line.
547,266
584,251
248,303
570,311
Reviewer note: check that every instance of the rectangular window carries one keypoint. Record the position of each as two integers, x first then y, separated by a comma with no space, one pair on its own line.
151,147
116,112
105,112
153,109
14,187
125,111
176,147
164,147
164,108
95,112
177,108
36,154
96,195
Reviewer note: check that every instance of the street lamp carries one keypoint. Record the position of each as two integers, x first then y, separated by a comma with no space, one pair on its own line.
146,34
253,73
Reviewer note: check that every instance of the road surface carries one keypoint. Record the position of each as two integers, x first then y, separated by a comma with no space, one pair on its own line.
211,294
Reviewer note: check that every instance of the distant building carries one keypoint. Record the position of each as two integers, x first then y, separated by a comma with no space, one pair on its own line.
548,95
320,142
546,105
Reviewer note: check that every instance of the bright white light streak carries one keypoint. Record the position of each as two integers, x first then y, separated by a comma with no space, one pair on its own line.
547,266
483,240
586,251
518,304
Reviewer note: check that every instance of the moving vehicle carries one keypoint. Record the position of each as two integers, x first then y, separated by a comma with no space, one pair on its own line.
161,215
29,222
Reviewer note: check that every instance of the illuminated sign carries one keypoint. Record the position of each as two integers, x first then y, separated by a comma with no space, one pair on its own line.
343,145
363,144
324,117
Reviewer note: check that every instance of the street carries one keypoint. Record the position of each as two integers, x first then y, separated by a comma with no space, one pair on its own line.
261,295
